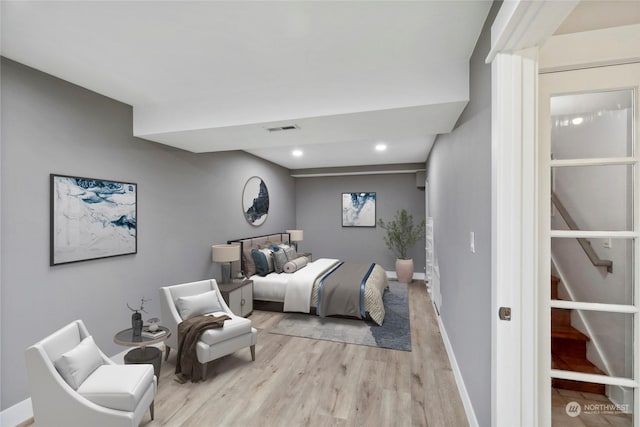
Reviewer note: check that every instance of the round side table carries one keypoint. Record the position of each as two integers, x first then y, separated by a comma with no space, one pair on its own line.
143,353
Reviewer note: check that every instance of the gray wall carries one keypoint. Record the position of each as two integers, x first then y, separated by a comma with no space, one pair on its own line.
186,203
459,175
319,214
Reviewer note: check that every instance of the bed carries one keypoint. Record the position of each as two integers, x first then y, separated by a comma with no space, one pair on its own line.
325,286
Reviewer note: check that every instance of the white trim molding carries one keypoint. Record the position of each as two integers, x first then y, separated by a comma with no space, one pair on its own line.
522,24
457,374
515,343
371,172
391,275
593,378
16,414
588,49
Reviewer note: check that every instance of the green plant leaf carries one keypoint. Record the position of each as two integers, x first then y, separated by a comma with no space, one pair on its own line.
402,235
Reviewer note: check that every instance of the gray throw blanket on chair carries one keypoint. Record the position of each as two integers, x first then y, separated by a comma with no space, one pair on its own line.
189,331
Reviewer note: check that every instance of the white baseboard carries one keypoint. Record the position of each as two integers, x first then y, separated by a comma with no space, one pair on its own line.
18,413
391,275
464,395
621,396
22,411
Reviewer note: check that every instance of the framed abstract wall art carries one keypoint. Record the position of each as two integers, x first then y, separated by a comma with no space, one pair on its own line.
359,209
91,218
255,201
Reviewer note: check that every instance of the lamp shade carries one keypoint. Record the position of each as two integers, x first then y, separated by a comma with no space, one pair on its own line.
296,235
225,253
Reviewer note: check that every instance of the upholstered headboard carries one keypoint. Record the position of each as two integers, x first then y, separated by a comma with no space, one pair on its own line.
248,243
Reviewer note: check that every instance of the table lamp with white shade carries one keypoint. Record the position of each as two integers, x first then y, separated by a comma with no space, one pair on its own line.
296,236
225,255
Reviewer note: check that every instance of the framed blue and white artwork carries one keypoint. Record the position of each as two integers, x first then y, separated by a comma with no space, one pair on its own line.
92,218
359,209
255,201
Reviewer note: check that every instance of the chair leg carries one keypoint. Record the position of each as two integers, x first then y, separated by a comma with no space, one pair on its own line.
253,353
204,371
151,408
167,349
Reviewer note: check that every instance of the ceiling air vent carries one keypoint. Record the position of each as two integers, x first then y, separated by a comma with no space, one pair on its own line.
281,128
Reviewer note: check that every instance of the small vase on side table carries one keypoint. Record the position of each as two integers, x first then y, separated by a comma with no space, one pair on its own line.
136,324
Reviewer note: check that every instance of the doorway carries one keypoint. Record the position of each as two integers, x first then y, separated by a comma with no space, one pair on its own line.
589,211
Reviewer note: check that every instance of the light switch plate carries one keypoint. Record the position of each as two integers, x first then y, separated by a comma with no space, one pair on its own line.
472,242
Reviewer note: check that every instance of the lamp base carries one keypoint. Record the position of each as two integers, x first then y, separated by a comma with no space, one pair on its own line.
226,273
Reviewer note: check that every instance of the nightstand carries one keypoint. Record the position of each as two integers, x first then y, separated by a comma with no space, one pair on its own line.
238,296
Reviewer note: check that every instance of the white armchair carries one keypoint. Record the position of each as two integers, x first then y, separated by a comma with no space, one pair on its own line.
73,383
195,298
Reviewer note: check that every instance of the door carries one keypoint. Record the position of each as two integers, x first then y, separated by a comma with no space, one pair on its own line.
589,251
431,274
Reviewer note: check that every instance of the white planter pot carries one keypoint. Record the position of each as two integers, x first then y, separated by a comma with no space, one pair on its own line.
404,270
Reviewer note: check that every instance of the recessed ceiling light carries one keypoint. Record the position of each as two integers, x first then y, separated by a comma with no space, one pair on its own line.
381,147
577,120
296,153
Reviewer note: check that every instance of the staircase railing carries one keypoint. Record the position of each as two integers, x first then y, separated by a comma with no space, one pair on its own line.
585,244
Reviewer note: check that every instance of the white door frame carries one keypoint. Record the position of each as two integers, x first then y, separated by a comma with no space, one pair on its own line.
518,30
514,239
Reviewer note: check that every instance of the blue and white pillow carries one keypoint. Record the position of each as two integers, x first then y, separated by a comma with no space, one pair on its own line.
269,257
260,259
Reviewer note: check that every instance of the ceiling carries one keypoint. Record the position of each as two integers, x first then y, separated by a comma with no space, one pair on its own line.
599,14
211,76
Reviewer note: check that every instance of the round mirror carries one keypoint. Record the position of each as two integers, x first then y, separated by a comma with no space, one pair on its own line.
255,201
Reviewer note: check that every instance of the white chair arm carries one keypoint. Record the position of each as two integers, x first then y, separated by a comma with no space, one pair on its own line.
55,396
221,301
170,317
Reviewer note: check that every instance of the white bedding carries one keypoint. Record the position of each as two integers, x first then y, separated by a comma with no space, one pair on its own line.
300,284
273,287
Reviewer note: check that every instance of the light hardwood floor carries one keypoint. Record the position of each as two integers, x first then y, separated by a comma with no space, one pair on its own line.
597,410
299,382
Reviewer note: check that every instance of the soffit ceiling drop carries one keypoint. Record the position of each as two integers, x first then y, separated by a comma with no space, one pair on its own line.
215,76
591,15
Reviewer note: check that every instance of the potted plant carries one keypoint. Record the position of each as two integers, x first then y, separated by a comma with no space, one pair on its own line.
401,236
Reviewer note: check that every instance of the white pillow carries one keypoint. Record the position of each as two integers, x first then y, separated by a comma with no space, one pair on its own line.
195,305
78,363
295,265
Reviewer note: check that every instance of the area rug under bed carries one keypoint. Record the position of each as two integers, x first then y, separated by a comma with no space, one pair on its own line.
394,333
